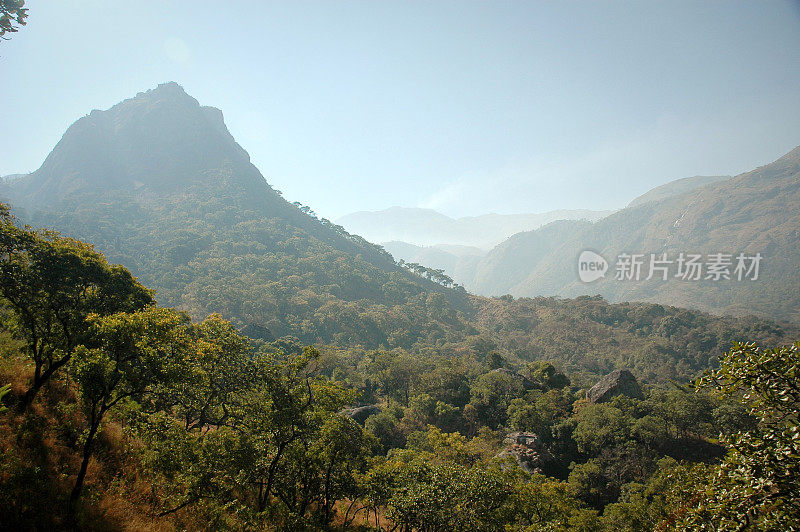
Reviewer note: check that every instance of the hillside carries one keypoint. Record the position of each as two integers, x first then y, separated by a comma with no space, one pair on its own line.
457,261
11,177
755,212
676,188
146,420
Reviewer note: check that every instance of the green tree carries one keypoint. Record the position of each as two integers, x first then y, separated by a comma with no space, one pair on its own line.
137,353
218,371
539,412
321,468
546,375
430,496
395,373
52,284
543,503
386,428
686,413
190,428
757,486
491,395
281,413
600,426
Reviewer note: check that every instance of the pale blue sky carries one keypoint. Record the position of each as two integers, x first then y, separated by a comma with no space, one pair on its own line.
466,107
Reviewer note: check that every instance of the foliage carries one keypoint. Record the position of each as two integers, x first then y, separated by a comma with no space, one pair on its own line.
432,496
12,15
51,284
137,354
225,432
757,486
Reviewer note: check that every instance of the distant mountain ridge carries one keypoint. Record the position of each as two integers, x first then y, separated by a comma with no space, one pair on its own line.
755,212
427,227
677,187
495,272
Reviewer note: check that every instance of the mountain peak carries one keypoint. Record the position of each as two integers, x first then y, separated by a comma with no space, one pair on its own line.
170,92
159,139
169,86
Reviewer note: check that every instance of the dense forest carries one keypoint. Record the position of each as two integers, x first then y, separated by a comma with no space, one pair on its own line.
121,414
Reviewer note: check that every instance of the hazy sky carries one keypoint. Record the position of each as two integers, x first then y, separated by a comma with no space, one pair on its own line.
465,107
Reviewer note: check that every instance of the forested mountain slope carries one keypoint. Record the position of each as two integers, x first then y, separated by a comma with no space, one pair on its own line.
755,212
158,184
127,415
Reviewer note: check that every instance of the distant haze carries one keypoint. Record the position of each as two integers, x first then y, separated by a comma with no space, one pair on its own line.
461,107
426,227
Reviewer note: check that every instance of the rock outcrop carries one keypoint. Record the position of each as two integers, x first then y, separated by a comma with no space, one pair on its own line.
527,450
618,382
359,414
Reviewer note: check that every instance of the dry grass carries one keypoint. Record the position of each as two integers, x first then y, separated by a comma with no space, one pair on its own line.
40,457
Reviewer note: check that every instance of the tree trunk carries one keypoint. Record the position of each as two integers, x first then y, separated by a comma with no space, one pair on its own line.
28,397
87,454
328,494
271,474
39,378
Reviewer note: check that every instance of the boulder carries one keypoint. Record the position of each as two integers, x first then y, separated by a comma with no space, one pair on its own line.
618,382
359,414
527,449
527,439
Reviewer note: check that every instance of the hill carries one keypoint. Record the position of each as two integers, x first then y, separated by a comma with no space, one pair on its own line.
757,212
456,261
675,188
146,420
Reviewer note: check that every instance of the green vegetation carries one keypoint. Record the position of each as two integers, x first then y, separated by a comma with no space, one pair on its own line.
158,184
758,483
274,279
53,284
155,421
12,16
